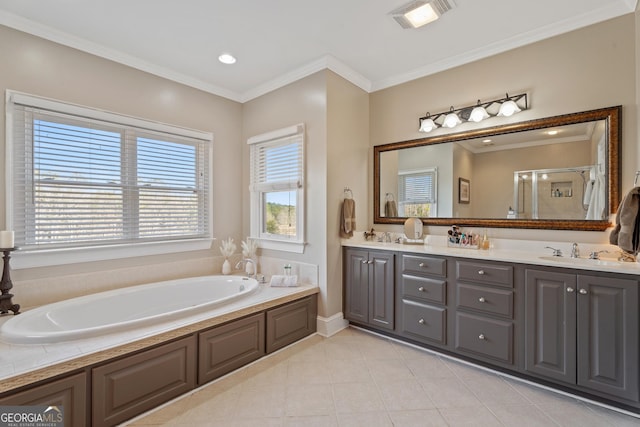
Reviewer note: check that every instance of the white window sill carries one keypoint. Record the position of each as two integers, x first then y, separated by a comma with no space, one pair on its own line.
282,245
31,259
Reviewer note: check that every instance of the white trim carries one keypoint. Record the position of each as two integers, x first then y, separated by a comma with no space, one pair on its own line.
277,134
95,113
328,326
281,245
31,259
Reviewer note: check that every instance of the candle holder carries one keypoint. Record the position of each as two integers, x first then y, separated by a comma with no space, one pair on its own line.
6,303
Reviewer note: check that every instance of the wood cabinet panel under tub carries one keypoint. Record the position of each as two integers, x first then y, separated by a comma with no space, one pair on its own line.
230,346
68,393
291,322
129,386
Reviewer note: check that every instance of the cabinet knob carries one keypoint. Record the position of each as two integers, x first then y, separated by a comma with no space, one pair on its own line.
421,321
481,272
570,289
370,262
421,288
481,337
481,299
365,261
583,291
421,264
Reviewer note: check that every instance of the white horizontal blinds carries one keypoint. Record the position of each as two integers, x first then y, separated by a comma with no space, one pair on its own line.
84,182
417,187
171,185
277,165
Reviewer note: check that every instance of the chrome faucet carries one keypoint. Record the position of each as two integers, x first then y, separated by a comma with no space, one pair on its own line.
242,264
575,251
596,254
556,252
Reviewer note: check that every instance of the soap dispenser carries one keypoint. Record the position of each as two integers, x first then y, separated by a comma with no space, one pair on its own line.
485,241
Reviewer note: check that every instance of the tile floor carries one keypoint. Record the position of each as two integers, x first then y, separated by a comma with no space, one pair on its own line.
358,379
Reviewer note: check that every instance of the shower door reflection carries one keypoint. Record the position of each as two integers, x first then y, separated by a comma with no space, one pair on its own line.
572,193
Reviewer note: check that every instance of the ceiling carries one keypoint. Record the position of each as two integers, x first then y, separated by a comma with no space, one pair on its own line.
280,41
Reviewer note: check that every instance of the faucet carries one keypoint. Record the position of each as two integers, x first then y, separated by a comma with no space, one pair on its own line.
575,251
556,252
596,254
243,263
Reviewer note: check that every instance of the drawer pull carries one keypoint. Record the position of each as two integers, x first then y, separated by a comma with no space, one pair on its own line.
421,288
481,299
570,289
421,265
421,321
583,291
481,337
370,262
365,261
481,272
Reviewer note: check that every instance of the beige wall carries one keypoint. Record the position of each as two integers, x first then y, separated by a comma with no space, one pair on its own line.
589,68
33,65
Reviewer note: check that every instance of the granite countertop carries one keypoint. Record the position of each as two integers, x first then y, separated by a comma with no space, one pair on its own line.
522,252
22,364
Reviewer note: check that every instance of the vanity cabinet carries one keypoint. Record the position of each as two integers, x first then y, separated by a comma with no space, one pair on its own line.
369,287
422,299
484,322
582,330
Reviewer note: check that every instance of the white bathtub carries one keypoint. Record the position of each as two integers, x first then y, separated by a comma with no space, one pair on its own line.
123,309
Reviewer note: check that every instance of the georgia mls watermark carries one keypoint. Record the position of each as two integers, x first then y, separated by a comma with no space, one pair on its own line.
31,416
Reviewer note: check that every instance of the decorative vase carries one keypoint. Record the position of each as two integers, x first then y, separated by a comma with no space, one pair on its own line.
226,267
249,268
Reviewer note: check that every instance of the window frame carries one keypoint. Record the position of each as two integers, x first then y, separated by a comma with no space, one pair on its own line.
96,251
402,174
257,214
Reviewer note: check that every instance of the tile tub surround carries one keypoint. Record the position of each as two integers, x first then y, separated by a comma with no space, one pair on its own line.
25,364
359,378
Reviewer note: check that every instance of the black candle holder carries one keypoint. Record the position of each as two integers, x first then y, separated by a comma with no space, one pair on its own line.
6,303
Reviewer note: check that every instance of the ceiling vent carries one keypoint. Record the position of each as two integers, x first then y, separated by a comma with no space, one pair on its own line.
418,13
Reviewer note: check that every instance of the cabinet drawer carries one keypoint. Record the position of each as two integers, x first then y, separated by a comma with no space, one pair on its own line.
485,337
424,288
485,299
424,265
424,322
501,275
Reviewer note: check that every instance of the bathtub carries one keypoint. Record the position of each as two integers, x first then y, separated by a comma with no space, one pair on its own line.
123,309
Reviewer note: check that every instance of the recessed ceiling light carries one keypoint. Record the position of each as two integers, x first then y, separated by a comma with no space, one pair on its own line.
552,132
227,58
419,13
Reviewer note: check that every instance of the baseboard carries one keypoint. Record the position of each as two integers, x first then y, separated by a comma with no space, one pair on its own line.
327,326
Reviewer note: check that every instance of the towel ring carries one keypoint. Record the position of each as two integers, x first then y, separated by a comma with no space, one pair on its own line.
348,193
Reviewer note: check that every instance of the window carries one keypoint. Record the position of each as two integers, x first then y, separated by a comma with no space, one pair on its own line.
86,178
417,193
277,189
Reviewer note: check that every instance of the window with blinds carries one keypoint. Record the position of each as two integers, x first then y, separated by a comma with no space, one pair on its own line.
417,193
79,180
277,185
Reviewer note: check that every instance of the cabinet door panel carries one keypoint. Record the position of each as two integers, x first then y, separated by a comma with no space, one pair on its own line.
424,322
381,292
357,285
608,335
485,337
550,324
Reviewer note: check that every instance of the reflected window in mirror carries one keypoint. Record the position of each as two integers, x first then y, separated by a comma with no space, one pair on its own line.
417,193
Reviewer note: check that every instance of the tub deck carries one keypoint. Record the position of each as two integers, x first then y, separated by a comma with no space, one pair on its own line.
23,364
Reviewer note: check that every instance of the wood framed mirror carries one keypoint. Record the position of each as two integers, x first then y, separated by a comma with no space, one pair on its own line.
559,173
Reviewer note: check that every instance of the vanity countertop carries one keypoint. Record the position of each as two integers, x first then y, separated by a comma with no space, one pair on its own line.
535,254
22,364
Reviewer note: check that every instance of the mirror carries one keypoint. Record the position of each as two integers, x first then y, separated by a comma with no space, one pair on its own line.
558,172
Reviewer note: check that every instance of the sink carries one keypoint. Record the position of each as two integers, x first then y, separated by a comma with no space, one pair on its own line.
582,261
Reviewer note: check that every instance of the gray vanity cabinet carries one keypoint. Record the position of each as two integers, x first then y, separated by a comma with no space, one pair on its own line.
422,299
583,330
369,287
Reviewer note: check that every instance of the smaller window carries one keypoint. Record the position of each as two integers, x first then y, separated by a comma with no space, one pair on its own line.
277,188
417,193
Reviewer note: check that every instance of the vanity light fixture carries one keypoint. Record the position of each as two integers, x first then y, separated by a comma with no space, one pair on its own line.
419,13
451,120
502,107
